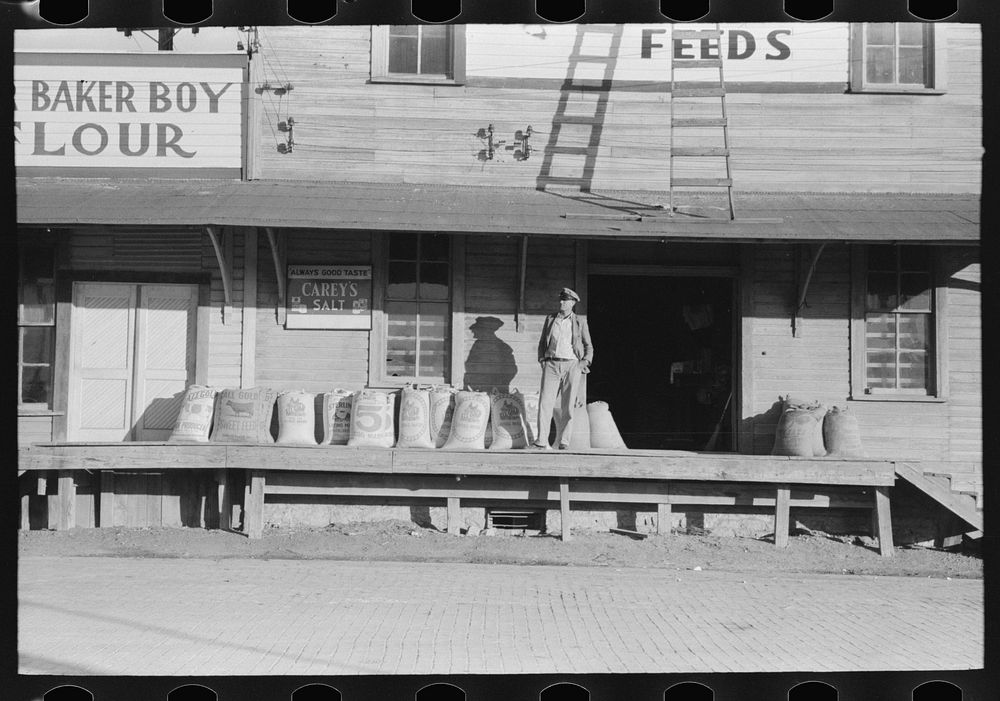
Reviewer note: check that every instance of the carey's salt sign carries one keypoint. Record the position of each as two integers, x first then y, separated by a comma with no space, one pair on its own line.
129,114
329,297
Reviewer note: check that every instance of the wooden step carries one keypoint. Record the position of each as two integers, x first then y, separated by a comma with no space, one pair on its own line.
697,63
943,495
701,182
699,122
696,34
690,151
698,92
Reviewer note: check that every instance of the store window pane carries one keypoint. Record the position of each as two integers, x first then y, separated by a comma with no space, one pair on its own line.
911,34
402,281
914,331
881,33
882,258
881,291
403,246
434,281
915,291
36,344
420,49
913,370
434,50
36,385
38,303
912,258
435,247
911,66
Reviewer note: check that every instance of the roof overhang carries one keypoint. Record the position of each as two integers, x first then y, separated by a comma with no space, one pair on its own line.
931,218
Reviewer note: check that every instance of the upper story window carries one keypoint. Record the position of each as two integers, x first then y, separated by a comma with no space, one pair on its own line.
418,53
36,327
897,57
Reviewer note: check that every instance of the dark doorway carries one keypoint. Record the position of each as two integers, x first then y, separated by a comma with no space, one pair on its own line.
664,358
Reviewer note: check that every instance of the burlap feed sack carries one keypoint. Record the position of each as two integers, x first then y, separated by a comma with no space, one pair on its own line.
842,434
337,416
244,415
414,419
371,419
194,420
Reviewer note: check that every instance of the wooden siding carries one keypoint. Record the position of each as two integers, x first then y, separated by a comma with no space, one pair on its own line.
314,360
34,429
816,364
347,128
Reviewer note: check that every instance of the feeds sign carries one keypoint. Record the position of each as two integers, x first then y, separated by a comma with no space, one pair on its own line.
93,114
329,297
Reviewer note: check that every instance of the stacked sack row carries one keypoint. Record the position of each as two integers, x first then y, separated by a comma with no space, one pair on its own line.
428,417
810,429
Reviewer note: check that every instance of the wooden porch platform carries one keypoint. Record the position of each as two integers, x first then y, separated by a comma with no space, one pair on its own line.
660,478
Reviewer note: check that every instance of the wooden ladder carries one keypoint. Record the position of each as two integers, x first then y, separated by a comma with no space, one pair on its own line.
682,90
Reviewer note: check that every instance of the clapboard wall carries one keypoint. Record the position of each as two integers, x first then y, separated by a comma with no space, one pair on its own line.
815,365
786,135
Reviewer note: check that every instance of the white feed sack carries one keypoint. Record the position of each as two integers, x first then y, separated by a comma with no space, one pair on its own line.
296,418
337,416
442,403
194,421
468,426
507,420
414,419
372,419
530,402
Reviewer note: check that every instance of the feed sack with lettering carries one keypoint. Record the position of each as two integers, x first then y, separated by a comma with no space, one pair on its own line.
244,415
337,416
414,418
372,419
194,421
442,402
842,434
507,420
468,425
800,429
296,418
603,429
530,402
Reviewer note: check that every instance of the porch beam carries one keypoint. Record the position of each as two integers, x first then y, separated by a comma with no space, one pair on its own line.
803,289
781,515
279,273
883,522
564,517
225,270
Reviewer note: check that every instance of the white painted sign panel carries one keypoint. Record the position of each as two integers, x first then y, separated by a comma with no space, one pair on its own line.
125,114
329,297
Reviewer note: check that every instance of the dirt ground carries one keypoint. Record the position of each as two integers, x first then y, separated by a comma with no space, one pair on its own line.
807,552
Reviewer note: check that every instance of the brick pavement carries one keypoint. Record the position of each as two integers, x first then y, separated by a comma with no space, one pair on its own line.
91,615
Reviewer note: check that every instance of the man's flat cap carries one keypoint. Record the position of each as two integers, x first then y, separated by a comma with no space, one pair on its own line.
566,293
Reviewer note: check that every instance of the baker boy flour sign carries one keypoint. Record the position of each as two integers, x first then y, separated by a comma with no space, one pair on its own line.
163,113
329,297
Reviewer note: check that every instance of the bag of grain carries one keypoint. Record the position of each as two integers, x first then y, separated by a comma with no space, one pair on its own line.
244,415
442,403
414,418
372,419
194,420
296,418
530,401
337,416
841,433
468,425
603,429
507,420
800,429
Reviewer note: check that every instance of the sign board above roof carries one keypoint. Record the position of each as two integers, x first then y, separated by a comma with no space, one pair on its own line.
130,115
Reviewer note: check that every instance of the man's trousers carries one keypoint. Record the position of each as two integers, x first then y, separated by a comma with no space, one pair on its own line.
560,381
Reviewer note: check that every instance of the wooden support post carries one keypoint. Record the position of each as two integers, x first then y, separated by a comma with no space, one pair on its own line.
106,513
225,271
253,505
664,514
67,500
564,520
41,486
279,272
883,521
454,516
781,516
225,499
25,505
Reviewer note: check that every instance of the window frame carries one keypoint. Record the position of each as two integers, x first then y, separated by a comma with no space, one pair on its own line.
937,391
378,337
32,249
935,59
380,59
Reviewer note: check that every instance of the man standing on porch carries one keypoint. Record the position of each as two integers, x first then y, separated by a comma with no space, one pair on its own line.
564,352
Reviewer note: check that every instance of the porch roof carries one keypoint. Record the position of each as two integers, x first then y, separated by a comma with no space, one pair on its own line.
494,210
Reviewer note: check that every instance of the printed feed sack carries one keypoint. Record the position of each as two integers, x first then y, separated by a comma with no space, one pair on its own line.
442,410
296,418
371,419
337,416
414,419
468,425
194,421
530,402
244,415
507,421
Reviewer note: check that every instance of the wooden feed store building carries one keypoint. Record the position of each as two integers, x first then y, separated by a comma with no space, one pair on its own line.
749,213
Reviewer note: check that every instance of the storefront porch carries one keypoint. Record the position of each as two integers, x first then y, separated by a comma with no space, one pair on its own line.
552,479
